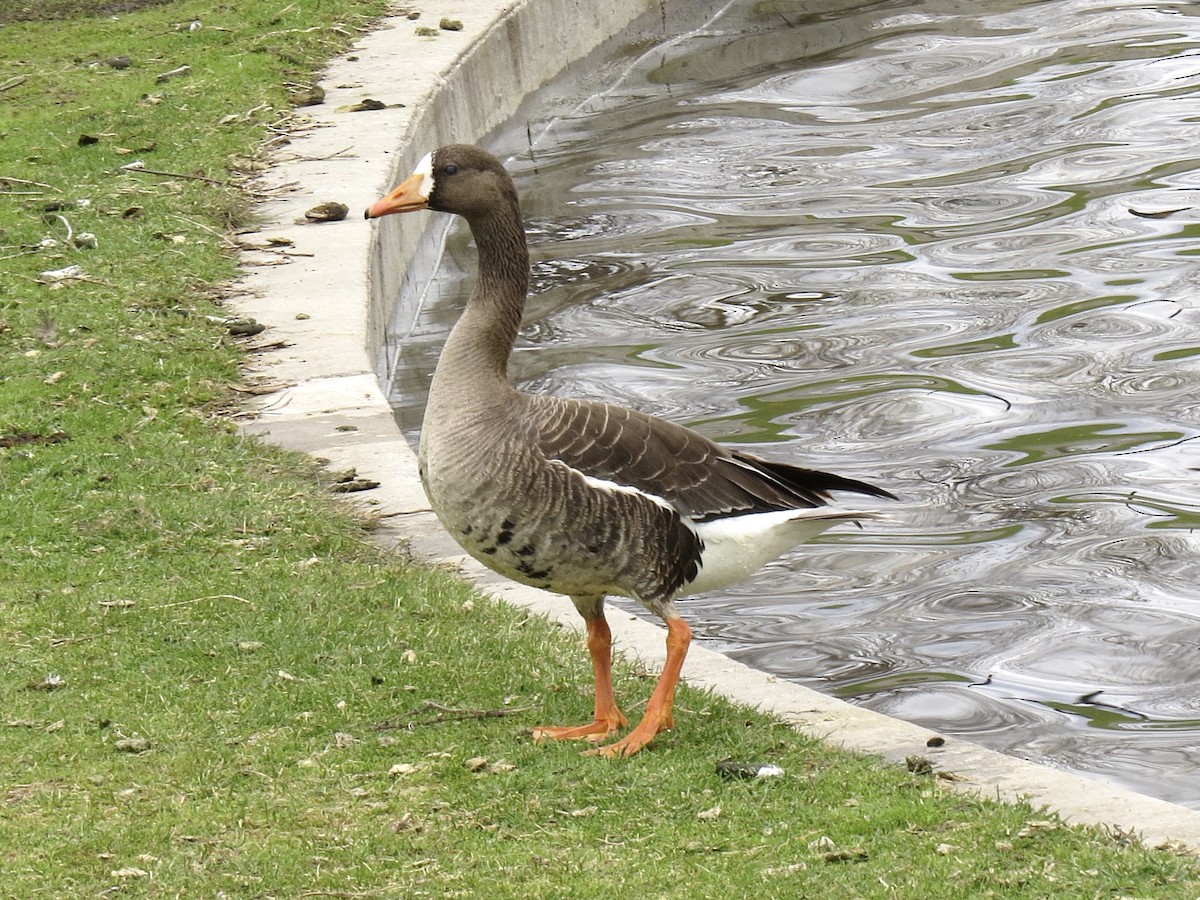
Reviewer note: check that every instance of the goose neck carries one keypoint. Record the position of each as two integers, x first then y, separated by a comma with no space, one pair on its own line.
480,344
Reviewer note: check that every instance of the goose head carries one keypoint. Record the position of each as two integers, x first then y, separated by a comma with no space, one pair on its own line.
458,178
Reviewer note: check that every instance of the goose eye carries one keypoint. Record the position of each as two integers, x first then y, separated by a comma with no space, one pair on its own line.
451,169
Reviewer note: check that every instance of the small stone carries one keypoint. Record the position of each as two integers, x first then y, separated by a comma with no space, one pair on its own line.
729,769
367,105
132,745
450,24
244,327
854,854
327,212
61,276
308,95
353,487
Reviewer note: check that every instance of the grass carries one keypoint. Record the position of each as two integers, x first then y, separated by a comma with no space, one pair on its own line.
214,684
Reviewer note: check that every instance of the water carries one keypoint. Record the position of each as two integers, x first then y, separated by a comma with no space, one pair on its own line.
947,247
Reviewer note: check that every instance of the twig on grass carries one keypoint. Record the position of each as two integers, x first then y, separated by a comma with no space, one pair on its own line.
141,168
348,151
202,599
444,713
460,713
8,179
67,225
77,639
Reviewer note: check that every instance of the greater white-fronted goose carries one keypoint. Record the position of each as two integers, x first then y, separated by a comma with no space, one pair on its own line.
580,497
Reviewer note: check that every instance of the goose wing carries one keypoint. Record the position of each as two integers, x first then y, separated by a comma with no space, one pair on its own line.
697,477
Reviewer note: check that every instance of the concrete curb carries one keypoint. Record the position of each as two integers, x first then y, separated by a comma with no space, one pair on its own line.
341,280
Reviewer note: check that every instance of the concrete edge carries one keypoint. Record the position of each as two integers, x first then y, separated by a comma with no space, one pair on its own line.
328,297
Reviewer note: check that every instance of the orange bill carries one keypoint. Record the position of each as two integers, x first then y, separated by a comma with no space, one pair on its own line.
408,196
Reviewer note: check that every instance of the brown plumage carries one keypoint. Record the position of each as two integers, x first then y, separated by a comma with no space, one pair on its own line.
581,497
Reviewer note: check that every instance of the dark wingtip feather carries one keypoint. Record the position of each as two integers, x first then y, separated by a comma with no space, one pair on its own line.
811,484
830,482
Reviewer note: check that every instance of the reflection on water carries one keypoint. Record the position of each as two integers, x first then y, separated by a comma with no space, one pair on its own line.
948,247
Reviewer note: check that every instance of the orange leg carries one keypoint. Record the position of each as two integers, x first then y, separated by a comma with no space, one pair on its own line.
658,715
607,718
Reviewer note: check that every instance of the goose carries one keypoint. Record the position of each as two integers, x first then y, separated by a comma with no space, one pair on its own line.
581,497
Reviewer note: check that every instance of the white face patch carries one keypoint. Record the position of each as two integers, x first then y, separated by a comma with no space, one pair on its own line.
425,170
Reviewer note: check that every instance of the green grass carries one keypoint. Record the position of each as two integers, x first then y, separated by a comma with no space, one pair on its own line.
214,684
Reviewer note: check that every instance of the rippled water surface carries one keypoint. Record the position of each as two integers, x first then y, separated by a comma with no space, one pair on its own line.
947,247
